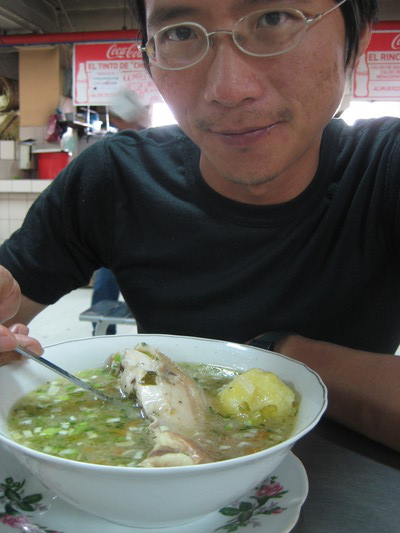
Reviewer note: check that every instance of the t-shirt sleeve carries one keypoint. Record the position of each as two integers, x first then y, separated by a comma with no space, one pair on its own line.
67,232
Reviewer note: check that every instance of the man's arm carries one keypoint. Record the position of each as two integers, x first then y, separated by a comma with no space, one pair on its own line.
28,309
363,387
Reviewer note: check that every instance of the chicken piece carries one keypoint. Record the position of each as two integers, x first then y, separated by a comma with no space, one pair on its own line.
171,399
173,449
168,396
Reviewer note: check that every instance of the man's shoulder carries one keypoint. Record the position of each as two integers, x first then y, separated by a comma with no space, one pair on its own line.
157,136
164,143
365,128
365,140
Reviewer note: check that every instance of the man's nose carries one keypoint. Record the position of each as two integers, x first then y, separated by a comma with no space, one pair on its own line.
232,76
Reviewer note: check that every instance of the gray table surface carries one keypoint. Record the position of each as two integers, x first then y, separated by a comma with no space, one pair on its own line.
354,483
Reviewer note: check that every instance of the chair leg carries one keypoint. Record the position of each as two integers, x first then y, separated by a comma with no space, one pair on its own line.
101,328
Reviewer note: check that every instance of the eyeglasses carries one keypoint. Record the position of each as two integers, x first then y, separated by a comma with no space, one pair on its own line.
264,33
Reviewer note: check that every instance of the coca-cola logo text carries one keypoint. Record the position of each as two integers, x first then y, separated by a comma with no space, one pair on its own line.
396,42
123,51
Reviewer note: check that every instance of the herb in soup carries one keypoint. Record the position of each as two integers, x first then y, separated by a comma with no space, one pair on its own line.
61,419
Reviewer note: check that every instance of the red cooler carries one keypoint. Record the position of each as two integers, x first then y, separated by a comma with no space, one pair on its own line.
51,162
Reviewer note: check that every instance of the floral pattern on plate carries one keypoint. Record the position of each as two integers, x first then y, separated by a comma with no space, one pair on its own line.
17,507
273,506
244,512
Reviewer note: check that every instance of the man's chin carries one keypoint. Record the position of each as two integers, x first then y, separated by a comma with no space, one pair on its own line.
250,181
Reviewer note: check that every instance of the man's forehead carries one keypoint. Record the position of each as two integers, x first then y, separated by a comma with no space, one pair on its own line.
193,6
151,4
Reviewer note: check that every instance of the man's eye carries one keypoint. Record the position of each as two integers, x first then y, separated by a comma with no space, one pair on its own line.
273,19
180,33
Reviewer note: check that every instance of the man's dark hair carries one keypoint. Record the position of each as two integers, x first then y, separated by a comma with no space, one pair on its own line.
358,14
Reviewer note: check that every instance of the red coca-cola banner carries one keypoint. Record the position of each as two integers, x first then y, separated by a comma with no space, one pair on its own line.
377,73
101,69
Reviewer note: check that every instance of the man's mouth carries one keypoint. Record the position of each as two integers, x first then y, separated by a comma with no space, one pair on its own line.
243,136
242,131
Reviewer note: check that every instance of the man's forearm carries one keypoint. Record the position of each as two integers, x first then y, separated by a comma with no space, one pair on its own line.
27,311
363,387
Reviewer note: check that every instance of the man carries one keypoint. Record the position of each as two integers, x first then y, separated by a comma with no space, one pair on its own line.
261,216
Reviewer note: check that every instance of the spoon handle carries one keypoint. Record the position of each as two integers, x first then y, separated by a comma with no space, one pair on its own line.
48,364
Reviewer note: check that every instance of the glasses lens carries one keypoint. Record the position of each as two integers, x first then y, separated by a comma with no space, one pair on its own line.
178,46
270,31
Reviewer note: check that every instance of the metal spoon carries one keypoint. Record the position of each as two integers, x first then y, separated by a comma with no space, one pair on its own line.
48,364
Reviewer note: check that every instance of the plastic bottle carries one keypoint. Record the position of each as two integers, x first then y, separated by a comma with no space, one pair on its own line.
69,142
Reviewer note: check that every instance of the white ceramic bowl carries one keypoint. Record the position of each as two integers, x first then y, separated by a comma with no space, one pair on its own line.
147,497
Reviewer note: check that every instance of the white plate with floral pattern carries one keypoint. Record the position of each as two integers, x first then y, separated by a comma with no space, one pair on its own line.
272,507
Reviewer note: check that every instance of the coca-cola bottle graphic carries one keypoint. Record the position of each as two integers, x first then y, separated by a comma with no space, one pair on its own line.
81,92
361,78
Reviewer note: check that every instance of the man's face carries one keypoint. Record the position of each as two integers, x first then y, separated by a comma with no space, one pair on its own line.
257,120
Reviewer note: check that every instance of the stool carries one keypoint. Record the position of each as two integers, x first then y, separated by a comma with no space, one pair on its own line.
107,312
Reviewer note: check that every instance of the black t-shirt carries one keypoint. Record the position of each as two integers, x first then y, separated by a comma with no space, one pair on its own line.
189,261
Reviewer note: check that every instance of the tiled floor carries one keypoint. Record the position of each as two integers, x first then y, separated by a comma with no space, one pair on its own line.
61,322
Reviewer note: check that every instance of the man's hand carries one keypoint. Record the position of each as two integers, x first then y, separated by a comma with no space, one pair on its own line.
10,303
10,295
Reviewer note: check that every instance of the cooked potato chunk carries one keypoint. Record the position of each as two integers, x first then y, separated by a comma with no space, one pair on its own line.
257,395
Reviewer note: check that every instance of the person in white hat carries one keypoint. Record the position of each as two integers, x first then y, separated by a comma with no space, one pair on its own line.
127,111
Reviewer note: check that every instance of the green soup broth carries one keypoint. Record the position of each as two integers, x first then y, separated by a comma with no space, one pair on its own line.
61,419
